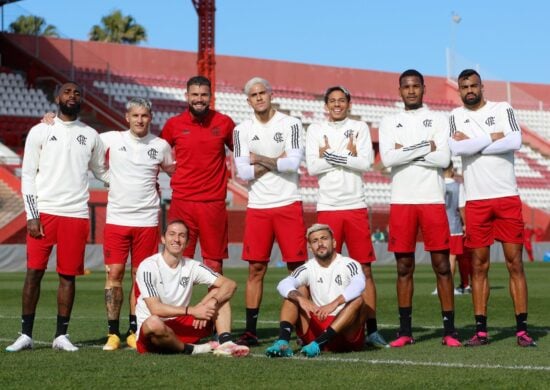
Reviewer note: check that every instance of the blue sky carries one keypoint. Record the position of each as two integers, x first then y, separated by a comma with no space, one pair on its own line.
507,40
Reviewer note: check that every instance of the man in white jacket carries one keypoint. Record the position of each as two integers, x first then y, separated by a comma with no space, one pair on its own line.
414,144
486,134
338,152
54,185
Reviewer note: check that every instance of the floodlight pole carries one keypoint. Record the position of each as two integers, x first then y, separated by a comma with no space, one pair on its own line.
206,61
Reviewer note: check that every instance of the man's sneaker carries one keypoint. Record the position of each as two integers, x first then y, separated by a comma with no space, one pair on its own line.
311,350
22,342
113,342
451,340
401,341
467,290
280,348
229,348
205,348
480,338
434,292
63,343
131,340
524,340
248,339
376,340
459,291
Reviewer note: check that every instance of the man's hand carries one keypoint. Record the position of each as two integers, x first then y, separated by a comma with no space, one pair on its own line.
432,146
48,118
351,146
324,311
323,149
460,136
397,146
307,305
497,136
35,228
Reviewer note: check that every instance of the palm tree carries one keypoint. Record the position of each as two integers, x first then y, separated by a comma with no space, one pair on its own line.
33,25
119,29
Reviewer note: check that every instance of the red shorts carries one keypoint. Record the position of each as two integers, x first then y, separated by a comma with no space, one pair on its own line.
405,219
119,241
498,219
456,244
285,223
69,234
182,327
339,343
207,222
350,227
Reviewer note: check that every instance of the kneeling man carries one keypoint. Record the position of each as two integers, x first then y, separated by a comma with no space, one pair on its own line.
167,323
324,300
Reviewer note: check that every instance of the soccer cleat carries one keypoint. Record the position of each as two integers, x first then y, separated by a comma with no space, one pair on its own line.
376,340
459,291
113,342
131,339
229,348
434,292
480,338
22,342
248,339
280,348
451,340
524,340
311,350
63,343
205,348
467,290
401,341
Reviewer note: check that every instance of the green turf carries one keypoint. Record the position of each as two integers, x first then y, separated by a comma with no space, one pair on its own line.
424,365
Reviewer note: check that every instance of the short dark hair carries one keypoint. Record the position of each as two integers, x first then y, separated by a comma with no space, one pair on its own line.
175,222
340,88
467,73
411,72
59,87
199,80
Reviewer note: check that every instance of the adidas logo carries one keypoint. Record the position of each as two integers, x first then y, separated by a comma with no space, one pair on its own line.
399,125
122,149
52,138
256,138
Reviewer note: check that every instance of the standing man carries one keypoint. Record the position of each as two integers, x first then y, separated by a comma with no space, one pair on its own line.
54,184
167,322
338,152
333,316
414,145
486,134
135,157
268,152
199,184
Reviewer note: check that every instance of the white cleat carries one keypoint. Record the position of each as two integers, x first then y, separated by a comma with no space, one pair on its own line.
205,348
22,342
63,343
229,348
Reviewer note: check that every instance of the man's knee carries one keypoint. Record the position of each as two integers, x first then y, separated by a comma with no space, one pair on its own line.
256,270
153,326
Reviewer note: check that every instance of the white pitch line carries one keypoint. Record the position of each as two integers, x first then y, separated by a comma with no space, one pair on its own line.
392,362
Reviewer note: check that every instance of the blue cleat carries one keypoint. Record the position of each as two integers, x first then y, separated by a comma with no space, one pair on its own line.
311,350
376,340
280,348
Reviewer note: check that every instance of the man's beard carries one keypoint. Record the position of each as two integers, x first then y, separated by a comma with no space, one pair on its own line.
471,101
328,254
198,114
413,106
69,111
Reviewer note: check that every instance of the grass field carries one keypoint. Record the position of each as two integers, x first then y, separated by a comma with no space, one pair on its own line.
426,365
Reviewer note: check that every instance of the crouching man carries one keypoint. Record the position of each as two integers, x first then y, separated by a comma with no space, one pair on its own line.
167,323
324,300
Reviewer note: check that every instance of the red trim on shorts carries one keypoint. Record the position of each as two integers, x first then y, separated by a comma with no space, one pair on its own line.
498,219
263,226
69,234
352,228
184,330
119,241
339,343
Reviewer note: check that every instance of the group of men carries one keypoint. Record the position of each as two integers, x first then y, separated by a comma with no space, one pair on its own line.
329,299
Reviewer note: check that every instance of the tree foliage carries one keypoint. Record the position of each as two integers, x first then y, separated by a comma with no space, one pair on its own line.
118,28
33,25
